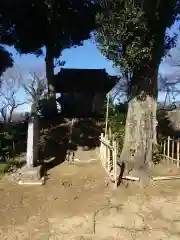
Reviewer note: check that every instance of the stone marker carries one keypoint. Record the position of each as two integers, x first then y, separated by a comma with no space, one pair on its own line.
32,142
31,172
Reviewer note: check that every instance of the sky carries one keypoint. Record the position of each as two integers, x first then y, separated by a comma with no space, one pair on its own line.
86,56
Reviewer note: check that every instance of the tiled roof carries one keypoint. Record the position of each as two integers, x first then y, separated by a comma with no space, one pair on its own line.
83,80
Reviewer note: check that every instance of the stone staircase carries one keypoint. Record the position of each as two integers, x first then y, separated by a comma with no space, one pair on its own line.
85,140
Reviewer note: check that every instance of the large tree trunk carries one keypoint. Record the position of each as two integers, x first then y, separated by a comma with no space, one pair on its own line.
140,132
50,74
50,71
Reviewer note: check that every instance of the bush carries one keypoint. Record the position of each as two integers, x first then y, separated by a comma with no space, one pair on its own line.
117,121
13,139
10,166
156,156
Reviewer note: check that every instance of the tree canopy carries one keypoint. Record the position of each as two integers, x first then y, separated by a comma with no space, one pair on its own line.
6,60
133,32
54,24
133,35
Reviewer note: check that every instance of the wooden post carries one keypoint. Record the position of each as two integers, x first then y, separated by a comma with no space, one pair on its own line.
100,152
172,150
104,161
113,137
107,113
115,162
102,156
168,144
164,151
108,157
105,158
101,148
178,153
110,134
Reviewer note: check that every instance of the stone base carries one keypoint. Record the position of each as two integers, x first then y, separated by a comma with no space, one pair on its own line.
30,174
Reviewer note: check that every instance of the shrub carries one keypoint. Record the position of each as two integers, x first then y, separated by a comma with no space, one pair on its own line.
10,166
156,156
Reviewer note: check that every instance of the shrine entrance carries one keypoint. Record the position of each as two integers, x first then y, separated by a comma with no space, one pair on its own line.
83,91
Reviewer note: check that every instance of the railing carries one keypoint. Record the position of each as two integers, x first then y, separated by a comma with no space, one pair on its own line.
171,150
108,157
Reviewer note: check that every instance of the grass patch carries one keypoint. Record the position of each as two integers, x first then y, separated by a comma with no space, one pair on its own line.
10,166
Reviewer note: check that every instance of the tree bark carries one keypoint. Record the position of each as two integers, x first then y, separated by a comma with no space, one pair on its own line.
140,131
50,71
50,74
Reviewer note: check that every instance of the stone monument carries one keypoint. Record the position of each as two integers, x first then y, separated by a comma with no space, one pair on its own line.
32,142
31,172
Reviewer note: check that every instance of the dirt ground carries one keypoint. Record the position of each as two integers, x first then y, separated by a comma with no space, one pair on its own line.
78,203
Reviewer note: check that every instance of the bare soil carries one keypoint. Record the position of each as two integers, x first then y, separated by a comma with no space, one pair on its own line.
78,203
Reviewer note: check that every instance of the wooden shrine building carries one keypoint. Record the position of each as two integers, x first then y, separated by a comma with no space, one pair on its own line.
83,91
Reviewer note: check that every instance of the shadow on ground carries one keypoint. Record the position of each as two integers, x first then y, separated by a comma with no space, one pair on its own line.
54,138
86,134
53,144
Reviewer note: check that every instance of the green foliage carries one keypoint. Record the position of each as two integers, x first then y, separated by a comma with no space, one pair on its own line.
132,32
156,154
6,60
117,124
6,145
8,142
10,166
53,24
117,120
133,35
13,139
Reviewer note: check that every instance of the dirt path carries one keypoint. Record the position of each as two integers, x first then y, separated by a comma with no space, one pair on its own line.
77,203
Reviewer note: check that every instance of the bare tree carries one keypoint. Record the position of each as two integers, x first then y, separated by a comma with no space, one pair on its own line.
121,89
35,88
169,83
173,58
9,101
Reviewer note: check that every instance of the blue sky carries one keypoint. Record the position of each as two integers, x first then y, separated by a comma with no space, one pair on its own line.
86,56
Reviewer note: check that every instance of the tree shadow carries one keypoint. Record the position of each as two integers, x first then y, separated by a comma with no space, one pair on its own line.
45,123
86,134
54,138
53,143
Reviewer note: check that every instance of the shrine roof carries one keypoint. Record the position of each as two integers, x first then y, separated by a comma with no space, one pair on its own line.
72,79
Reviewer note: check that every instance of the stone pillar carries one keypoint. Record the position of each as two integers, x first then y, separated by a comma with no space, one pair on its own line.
32,141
